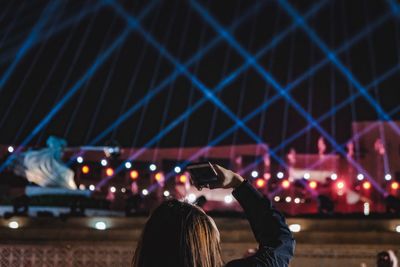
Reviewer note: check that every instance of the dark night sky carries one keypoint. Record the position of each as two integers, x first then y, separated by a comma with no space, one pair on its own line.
60,57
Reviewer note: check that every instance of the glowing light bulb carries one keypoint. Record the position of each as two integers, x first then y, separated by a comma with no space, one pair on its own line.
100,225
395,185
254,174
366,209
128,165
228,199
285,184
313,184
191,197
79,159
159,177
340,185
366,185
109,172
153,167
134,174
260,183
13,225
295,228
183,178
177,169
85,169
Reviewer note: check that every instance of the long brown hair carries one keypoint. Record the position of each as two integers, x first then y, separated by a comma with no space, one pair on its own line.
178,234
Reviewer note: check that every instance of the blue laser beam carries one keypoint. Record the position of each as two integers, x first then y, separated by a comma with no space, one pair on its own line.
6,31
394,6
164,84
268,77
364,131
132,82
225,81
335,109
39,93
357,136
100,60
274,42
71,92
203,150
191,95
373,70
17,91
29,41
383,77
206,91
106,84
219,87
72,65
343,69
355,39
8,55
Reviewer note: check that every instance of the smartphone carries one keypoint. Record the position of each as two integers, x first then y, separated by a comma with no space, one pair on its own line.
202,174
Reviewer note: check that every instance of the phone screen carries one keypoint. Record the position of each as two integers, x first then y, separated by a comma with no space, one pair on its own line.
202,174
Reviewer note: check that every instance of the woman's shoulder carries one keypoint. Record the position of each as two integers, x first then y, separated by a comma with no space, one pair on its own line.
264,257
246,262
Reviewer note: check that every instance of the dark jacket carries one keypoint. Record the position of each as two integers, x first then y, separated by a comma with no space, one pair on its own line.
276,243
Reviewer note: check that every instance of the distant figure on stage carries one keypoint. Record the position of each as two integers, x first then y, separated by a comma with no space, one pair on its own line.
179,234
44,167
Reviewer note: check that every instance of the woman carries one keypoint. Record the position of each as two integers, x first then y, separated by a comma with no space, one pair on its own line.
179,234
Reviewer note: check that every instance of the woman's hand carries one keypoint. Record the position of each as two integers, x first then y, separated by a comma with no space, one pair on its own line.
228,179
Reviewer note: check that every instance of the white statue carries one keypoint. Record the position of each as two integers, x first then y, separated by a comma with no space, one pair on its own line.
44,167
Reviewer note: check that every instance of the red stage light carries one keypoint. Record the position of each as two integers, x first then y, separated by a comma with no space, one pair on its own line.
395,185
285,184
260,183
85,169
366,185
183,178
134,174
109,172
313,184
340,185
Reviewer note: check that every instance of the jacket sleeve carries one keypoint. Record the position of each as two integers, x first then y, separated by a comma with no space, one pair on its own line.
276,243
